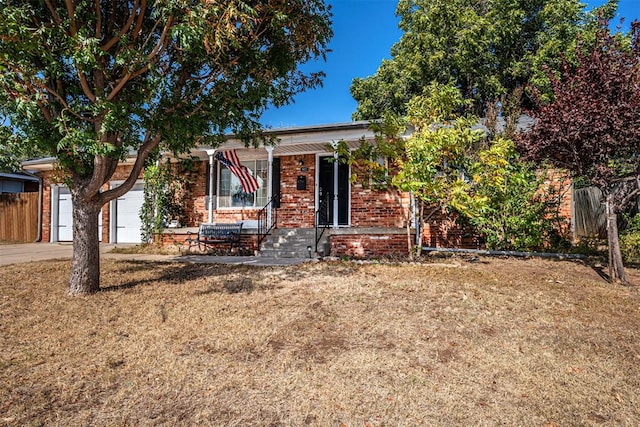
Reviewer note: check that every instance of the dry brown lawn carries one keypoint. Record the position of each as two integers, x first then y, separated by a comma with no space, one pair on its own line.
451,342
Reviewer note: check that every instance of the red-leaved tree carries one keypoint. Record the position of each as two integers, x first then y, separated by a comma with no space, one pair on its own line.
592,126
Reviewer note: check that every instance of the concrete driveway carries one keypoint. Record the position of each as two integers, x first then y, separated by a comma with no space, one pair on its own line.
29,252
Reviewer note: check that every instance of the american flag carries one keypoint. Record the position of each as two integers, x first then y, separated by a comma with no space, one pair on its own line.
230,160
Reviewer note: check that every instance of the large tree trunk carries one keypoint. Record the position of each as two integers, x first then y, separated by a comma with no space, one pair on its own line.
85,264
617,273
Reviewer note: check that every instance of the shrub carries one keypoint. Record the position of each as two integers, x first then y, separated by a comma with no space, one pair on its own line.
630,247
630,241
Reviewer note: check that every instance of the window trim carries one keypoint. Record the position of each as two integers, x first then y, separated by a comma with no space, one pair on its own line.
219,169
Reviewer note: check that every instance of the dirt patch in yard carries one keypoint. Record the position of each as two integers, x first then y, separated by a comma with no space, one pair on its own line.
491,342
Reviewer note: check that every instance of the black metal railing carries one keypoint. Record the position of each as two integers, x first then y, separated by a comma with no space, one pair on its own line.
322,220
266,223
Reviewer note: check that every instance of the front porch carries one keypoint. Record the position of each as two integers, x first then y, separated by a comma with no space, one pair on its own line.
302,186
367,242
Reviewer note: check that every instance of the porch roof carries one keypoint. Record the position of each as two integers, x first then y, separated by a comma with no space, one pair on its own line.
299,140
290,141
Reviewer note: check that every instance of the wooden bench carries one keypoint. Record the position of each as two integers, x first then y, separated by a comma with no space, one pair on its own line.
211,234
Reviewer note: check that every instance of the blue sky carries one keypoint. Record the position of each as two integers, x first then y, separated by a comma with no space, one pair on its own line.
364,31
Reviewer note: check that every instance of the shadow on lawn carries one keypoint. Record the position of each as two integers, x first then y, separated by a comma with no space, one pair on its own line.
221,277
599,269
174,274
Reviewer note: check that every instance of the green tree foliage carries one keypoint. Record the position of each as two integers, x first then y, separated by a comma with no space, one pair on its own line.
630,240
91,81
592,127
452,167
167,192
438,152
521,204
431,162
486,48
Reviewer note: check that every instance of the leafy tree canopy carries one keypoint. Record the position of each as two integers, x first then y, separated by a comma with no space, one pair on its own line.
485,48
592,126
85,81
91,81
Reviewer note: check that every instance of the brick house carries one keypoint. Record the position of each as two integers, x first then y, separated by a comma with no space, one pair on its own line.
302,192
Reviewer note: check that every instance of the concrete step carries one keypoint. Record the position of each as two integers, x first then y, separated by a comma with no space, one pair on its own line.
284,254
291,243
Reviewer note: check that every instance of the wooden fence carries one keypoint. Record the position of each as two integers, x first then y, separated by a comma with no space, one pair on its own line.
590,215
19,217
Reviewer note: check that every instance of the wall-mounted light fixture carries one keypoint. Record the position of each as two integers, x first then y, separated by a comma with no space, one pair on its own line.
301,162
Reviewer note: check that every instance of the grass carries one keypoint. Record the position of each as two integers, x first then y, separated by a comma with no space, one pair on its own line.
493,342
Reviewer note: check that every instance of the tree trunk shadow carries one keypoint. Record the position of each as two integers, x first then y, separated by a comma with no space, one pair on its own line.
597,267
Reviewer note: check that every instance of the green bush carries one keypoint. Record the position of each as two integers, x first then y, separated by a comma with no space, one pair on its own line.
630,239
630,247
522,213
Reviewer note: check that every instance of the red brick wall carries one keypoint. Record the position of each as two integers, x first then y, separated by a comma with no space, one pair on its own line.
369,208
297,207
561,182
372,208
198,209
369,245
248,242
442,231
46,208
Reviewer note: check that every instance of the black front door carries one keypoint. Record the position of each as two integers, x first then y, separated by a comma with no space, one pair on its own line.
326,192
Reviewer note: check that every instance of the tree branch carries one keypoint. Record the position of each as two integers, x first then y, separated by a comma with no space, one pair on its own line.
151,57
631,195
45,112
98,19
147,147
123,31
85,86
123,81
55,15
137,29
162,41
101,165
71,12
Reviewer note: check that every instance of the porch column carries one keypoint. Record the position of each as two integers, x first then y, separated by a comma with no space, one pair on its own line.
211,153
269,183
335,184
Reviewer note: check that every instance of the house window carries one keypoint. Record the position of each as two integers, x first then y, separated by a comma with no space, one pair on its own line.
230,194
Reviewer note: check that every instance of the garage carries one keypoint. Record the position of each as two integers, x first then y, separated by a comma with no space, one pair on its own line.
65,215
126,223
62,216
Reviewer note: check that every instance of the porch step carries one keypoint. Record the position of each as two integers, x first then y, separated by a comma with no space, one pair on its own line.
291,243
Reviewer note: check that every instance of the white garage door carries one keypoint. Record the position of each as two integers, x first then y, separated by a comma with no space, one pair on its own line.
127,217
65,215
